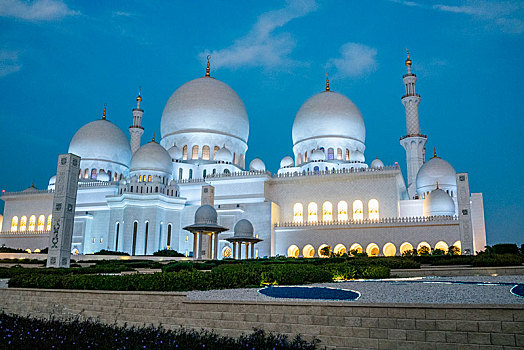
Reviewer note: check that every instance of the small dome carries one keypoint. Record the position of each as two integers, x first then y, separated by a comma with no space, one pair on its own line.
102,176
243,228
436,170
123,182
257,165
224,155
52,180
287,161
438,203
206,214
151,156
175,152
317,155
101,140
377,164
328,114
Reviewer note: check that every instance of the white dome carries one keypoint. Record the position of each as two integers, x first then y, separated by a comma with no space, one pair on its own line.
102,176
175,152
101,140
257,165
377,164
52,180
243,228
287,161
317,155
151,156
205,105
206,214
438,203
436,170
224,155
328,114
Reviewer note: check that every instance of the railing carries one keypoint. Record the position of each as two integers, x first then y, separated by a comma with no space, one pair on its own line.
81,184
414,135
225,175
337,171
410,220
24,233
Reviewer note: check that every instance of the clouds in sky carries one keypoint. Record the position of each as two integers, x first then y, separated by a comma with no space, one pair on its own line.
37,10
355,60
506,16
9,62
261,46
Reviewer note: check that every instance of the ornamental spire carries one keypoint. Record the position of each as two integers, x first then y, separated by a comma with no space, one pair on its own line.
327,82
104,115
434,152
437,185
207,67
33,184
153,138
138,99
408,62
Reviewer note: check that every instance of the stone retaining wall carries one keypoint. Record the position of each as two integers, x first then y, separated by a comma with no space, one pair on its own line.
450,271
340,325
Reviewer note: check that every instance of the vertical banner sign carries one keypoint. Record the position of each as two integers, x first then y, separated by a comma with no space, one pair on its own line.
59,254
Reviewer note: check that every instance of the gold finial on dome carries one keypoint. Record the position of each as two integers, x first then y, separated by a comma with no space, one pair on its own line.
104,115
139,97
207,67
153,138
327,82
33,184
434,152
437,185
408,60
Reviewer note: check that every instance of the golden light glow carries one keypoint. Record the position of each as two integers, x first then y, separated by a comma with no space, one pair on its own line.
194,152
358,210
298,213
423,244
23,223
14,224
339,249
442,246
320,252
308,251
32,223
293,251
389,249
184,152
205,152
342,211
372,249
327,212
41,223
405,247
312,213
373,209
49,221
458,245
226,253
356,247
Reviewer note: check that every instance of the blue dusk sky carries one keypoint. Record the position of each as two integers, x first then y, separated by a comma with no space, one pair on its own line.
61,60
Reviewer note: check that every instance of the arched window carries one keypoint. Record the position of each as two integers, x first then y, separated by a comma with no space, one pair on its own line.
146,237
389,249
23,223
355,248
293,251
308,251
226,171
49,221
339,153
205,152
226,252
135,231
32,223
342,211
215,151
117,233
115,175
194,152
139,178
442,246
180,173
372,249
149,178
190,173
316,169
169,228
373,209
14,224
321,252
184,152
204,173
347,154
305,156
86,173
405,248
235,158
331,153
339,249
214,171
424,248
358,210
299,159
297,213
41,223
312,212
327,212
93,173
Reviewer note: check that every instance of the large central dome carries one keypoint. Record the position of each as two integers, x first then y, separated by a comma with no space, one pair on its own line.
328,114
205,105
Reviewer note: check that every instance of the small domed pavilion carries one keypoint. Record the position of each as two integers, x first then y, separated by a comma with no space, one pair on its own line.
243,234
205,224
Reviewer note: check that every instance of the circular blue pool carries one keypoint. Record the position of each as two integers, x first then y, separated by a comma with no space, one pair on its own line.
518,290
323,293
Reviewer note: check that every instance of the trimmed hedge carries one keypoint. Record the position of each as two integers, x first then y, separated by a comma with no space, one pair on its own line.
6,272
497,260
169,253
226,276
19,332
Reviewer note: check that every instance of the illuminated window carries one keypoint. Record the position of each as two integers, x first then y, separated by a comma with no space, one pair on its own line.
373,209
115,176
342,211
458,245
86,173
305,156
293,251
184,152
149,178
339,153
49,221
215,151
299,159
205,152
424,248
93,173
389,249
312,212
355,248
327,212
226,252
405,248
308,251
139,178
339,249
322,251
347,154
194,152
331,153
23,223
298,213
372,249
14,224
442,246
235,158
358,210
41,223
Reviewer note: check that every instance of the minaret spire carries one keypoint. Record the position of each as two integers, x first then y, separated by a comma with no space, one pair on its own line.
136,130
104,115
414,142
327,82
208,71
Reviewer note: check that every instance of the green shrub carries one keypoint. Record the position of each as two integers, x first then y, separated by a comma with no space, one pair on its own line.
169,253
497,260
177,266
109,252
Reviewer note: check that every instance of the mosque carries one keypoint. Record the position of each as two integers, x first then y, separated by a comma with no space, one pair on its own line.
192,187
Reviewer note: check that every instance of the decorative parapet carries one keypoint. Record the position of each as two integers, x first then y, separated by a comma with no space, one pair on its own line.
80,185
24,233
395,221
226,175
338,171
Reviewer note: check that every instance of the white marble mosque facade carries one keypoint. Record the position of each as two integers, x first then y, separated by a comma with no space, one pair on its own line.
136,198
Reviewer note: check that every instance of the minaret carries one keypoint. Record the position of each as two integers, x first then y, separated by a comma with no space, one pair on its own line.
414,142
136,130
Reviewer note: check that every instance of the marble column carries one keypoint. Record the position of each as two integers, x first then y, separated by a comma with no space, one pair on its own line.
234,256
252,250
215,250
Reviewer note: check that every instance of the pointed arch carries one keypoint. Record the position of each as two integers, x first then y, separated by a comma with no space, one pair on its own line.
49,221
23,223
298,213
312,212
184,152
331,153
41,223
342,211
327,211
205,152
358,210
194,152
14,224
339,153
293,251
373,209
